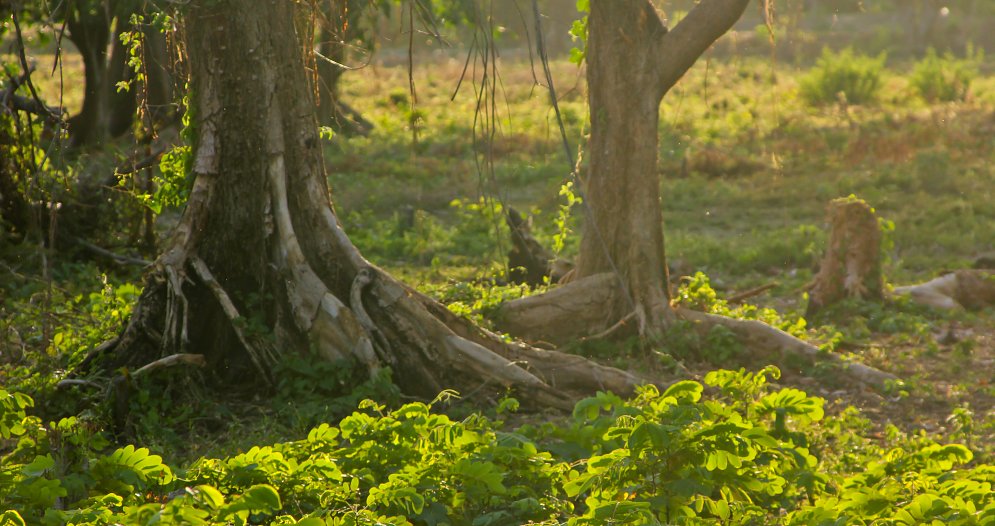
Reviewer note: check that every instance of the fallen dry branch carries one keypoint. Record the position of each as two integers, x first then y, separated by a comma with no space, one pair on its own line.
747,294
961,289
172,360
122,259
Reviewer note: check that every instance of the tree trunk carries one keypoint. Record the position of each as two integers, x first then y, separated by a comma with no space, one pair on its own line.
624,230
851,266
108,112
632,62
90,32
259,264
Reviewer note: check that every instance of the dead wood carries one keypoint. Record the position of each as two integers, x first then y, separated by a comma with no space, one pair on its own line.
851,266
172,360
747,294
962,289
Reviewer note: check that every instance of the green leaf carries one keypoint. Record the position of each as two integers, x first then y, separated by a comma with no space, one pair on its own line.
38,466
687,390
261,498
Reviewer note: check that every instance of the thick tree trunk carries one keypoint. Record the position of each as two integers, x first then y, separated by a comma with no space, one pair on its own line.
259,241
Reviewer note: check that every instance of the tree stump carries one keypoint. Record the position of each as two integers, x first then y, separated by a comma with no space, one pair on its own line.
851,266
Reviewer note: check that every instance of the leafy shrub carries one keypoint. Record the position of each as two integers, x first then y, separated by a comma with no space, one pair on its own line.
945,78
751,453
846,74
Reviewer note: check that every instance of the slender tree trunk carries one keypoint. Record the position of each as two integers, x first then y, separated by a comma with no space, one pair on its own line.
90,32
259,264
624,231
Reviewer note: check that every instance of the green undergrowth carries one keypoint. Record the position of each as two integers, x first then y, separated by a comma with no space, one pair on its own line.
733,449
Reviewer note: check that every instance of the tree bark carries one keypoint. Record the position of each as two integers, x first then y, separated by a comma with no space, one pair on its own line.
108,112
632,62
259,264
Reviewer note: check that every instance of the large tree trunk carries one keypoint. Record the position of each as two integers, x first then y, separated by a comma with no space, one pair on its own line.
259,241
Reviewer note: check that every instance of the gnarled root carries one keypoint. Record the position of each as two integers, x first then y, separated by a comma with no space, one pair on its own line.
572,312
758,336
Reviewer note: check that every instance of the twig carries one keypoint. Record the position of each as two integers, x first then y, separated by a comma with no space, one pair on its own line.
135,166
257,356
736,298
27,68
170,361
619,326
118,258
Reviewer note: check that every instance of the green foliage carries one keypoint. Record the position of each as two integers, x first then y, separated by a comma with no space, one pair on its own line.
562,221
945,78
578,32
697,293
749,454
424,238
847,76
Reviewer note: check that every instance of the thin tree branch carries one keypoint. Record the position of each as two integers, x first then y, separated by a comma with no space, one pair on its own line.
692,36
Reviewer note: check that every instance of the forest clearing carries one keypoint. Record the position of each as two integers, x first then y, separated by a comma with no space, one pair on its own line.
335,263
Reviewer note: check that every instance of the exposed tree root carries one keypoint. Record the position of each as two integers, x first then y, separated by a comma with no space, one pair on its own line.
573,307
760,337
263,356
564,314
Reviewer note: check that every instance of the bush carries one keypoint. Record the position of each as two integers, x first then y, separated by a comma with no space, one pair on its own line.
857,77
946,78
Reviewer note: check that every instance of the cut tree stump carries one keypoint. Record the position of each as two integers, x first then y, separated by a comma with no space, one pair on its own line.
851,266
528,261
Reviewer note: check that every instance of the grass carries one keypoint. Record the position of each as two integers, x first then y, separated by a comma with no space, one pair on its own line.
925,168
